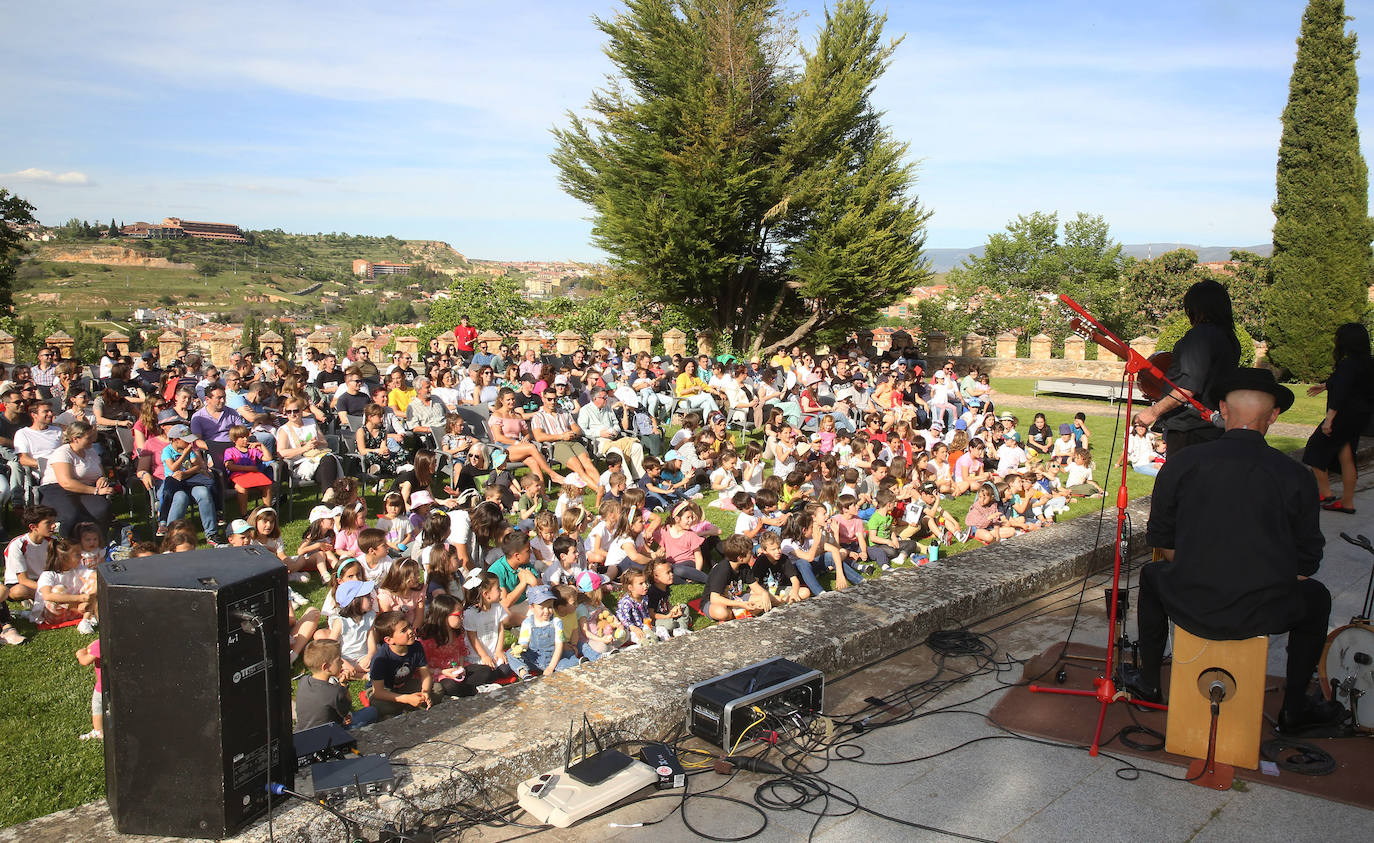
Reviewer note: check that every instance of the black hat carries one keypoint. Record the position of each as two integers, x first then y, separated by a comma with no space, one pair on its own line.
1257,380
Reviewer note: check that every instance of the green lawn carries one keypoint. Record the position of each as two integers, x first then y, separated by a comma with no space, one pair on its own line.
1305,410
47,694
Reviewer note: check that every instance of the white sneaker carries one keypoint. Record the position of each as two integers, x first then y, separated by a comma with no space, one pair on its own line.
86,627
488,688
295,598
886,567
900,560
92,735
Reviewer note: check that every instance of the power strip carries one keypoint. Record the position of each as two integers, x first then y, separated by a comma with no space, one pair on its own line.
560,800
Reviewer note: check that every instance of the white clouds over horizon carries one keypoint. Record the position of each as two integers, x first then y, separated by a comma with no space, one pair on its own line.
431,119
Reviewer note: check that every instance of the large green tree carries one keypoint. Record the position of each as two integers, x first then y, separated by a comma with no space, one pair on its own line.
766,201
14,212
1322,231
1013,285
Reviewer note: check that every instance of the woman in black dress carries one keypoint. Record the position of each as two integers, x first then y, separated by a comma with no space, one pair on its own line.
1349,406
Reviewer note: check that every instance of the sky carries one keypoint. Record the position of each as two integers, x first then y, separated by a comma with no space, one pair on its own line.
431,120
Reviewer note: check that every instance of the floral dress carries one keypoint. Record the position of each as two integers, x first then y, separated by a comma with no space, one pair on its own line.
388,461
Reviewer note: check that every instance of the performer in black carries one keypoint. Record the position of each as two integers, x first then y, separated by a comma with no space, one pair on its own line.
1349,405
1201,356
1237,522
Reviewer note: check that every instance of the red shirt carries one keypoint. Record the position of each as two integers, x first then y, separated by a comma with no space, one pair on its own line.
463,335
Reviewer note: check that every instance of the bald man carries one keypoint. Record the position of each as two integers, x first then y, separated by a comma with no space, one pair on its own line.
1238,524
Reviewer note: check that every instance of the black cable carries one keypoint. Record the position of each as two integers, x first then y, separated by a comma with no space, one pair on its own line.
348,824
267,708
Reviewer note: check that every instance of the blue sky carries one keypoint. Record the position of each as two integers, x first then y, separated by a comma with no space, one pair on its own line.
431,119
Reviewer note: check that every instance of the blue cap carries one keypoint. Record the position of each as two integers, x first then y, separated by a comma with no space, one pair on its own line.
671,455
352,590
961,425
539,594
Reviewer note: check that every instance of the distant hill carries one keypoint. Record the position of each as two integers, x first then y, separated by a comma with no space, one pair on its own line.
943,260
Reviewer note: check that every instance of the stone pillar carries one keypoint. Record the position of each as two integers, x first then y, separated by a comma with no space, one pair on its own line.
272,340
168,344
935,346
1075,347
706,343
604,339
318,340
1262,360
120,340
363,337
1040,347
530,341
491,340
567,341
972,346
674,342
1145,346
405,344
882,342
1006,346
640,340
221,346
6,347
63,343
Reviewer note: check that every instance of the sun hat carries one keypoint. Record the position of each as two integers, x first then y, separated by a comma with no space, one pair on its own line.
420,498
352,590
539,594
169,416
321,512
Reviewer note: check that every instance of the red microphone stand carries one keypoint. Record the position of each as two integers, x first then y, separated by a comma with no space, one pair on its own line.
1105,690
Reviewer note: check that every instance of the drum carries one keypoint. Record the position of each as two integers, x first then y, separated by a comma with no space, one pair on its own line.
1347,668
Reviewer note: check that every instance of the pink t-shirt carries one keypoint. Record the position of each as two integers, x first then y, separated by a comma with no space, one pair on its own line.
967,465
346,543
681,548
848,529
94,650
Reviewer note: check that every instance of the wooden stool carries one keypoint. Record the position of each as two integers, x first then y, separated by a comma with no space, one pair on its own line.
1241,667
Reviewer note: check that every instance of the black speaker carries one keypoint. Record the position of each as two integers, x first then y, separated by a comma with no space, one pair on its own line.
196,660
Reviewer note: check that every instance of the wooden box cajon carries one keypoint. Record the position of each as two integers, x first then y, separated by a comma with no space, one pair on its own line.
1242,714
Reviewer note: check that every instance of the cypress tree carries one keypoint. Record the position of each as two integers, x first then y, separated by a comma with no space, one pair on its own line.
1322,229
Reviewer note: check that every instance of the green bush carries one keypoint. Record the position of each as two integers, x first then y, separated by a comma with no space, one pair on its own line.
1176,326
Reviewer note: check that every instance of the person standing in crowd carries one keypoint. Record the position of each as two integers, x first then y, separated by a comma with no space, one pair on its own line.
1202,356
1349,406
463,337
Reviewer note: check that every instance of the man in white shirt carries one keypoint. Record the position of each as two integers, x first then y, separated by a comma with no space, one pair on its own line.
602,428
35,442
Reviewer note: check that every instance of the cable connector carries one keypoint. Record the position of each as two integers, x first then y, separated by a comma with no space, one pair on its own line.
755,765
723,767
276,789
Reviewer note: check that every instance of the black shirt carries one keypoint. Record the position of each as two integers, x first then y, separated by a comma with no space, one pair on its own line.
1350,389
1201,357
396,670
353,405
325,379
531,403
658,600
724,580
783,569
1242,520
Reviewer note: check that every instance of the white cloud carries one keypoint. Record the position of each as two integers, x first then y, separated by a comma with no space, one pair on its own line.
34,175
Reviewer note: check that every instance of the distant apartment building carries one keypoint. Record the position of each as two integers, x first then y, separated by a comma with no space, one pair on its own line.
367,269
172,228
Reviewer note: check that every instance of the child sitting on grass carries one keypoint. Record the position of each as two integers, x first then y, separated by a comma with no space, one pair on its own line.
1079,480
321,698
776,572
399,674
62,596
541,640
985,517
632,610
731,589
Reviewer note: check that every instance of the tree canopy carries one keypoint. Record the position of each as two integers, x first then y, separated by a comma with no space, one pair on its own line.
1321,262
767,202
14,212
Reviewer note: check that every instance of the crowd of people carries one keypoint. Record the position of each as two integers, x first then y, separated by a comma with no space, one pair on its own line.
559,498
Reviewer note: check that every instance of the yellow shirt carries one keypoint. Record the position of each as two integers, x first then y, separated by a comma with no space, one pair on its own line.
689,385
399,400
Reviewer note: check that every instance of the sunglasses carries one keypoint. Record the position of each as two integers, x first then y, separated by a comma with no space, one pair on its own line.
292,412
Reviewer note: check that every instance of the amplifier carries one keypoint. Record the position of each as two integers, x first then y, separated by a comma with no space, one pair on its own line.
719,710
322,743
197,704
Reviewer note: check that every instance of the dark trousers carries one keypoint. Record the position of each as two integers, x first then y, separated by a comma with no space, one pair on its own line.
1306,638
473,676
75,509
